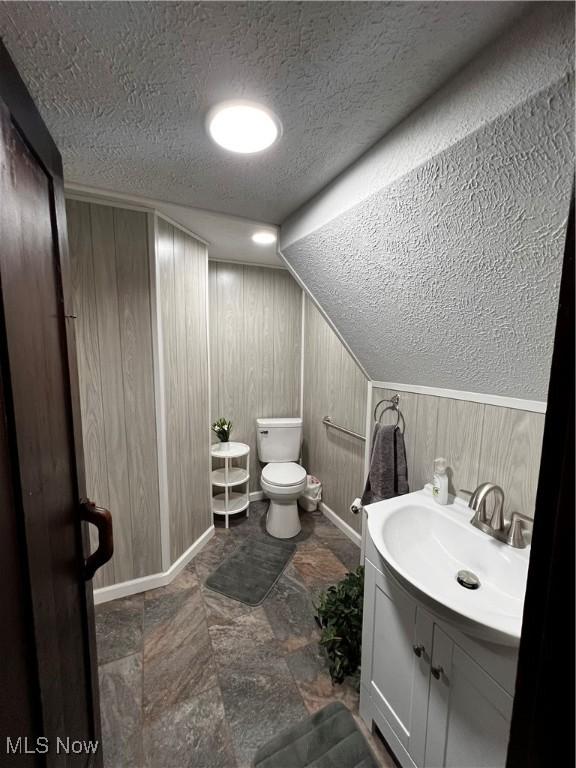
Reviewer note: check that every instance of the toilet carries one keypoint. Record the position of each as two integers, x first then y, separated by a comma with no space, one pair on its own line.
282,480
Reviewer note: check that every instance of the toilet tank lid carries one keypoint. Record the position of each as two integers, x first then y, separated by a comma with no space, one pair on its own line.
279,422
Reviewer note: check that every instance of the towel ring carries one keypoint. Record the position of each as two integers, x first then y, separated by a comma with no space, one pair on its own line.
394,400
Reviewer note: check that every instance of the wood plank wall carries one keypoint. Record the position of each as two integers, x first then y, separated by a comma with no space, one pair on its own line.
110,264
182,275
333,386
481,442
255,340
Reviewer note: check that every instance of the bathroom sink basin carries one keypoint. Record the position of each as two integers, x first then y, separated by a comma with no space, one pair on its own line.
425,545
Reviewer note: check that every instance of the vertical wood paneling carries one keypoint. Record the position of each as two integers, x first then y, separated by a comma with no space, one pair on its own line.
356,393
347,451
337,445
333,386
287,336
315,396
183,279
424,436
167,304
458,439
510,455
198,487
257,370
133,278
481,442
114,417
89,369
311,347
113,300
181,538
110,258
214,332
267,280
230,347
255,338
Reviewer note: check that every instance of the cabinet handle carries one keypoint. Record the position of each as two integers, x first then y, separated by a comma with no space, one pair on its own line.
437,672
418,650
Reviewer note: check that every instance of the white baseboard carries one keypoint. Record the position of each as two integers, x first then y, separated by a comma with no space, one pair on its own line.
341,524
134,586
256,495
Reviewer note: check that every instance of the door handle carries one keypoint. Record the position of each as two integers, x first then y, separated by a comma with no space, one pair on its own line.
102,519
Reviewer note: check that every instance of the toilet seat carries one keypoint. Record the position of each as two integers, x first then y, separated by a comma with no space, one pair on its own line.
283,482
283,474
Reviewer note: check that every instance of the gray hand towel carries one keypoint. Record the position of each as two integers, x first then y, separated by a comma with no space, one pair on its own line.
388,473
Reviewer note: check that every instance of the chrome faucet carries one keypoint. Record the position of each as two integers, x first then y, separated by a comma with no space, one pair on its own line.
510,533
478,504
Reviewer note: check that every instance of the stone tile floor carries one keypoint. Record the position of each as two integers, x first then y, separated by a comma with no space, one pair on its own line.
192,679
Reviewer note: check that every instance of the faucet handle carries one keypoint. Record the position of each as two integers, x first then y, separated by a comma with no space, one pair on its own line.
515,534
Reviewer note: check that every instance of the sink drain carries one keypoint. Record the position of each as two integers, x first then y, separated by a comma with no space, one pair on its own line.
468,579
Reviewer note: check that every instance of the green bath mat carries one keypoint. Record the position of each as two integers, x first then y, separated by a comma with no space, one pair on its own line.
327,739
250,572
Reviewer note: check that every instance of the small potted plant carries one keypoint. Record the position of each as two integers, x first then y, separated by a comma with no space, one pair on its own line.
222,428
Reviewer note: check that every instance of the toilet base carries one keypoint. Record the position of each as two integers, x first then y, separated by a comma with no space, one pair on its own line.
282,520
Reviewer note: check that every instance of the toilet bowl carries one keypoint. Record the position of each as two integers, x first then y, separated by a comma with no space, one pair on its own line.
283,482
279,441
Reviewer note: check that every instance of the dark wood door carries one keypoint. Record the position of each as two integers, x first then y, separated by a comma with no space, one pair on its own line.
542,732
48,686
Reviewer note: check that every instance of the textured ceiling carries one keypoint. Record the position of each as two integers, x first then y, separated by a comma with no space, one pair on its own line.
460,258
125,87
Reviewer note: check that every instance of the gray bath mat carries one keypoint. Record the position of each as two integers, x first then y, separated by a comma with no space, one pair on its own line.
327,739
250,572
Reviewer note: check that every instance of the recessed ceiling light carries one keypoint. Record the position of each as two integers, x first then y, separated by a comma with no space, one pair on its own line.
264,237
242,126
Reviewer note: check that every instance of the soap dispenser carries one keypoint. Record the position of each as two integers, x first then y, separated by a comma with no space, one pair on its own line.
440,481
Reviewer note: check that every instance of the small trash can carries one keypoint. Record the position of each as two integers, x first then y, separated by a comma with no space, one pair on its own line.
311,495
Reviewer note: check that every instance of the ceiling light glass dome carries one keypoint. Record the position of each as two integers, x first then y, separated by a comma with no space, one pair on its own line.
264,237
243,126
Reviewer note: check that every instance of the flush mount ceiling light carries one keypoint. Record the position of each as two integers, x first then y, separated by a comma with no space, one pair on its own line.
264,237
243,126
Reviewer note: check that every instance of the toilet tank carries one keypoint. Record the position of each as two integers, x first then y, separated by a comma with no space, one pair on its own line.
278,439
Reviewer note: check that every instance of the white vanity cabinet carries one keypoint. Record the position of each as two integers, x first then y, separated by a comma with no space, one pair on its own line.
396,642
469,713
440,698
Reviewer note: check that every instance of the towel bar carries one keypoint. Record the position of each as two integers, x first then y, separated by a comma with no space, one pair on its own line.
394,400
329,423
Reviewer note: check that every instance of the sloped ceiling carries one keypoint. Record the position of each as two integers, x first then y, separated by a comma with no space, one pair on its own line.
438,255
125,87
449,276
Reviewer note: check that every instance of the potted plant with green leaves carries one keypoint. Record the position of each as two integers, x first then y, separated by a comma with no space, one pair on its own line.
222,428
339,616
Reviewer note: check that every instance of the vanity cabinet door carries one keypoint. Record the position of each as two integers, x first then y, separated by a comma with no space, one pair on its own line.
397,642
469,713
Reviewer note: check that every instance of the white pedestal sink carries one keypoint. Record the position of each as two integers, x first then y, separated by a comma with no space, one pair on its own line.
425,545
